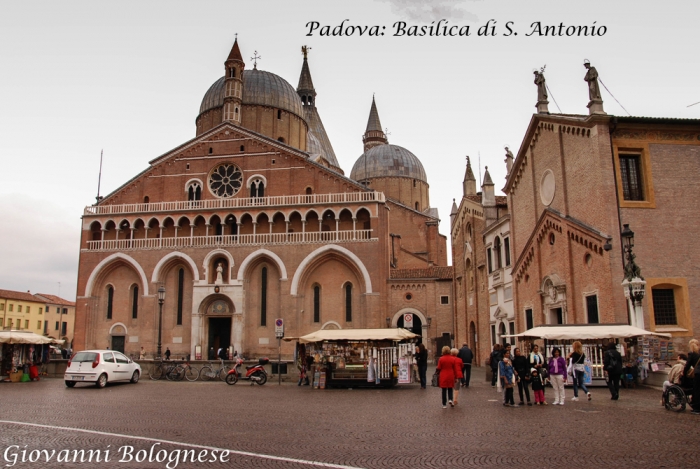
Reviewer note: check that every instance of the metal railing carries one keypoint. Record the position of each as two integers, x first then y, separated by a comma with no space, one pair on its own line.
345,236
236,202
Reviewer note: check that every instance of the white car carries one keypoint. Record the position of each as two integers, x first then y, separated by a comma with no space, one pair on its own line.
100,367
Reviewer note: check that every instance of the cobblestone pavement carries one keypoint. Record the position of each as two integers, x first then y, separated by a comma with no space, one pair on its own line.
288,426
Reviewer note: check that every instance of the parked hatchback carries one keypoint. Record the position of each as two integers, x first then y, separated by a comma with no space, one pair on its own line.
100,367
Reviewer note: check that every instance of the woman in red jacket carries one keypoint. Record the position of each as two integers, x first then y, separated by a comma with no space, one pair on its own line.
446,367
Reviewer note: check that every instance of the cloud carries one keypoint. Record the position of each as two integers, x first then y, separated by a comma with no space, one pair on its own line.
40,244
420,10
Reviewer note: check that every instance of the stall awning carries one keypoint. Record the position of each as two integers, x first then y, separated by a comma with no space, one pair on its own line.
25,337
585,332
358,334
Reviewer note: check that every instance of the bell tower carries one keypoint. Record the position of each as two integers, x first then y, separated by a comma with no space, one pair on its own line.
374,135
233,83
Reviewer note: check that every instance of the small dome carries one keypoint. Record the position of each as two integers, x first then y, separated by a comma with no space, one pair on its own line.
259,87
313,146
388,161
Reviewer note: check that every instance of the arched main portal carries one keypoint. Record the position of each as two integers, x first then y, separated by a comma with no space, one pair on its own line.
216,315
420,323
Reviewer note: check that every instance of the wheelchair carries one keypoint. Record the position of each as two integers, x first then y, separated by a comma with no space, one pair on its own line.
676,398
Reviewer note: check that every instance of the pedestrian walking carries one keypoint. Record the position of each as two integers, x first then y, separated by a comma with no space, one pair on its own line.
494,358
467,356
167,353
458,372
557,375
211,353
612,364
521,365
578,370
507,375
694,364
446,368
142,354
537,386
421,357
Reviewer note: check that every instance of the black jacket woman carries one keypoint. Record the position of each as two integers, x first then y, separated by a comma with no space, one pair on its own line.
521,365
612,364
694,361
421,357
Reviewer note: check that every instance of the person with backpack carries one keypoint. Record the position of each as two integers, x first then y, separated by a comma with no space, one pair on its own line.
494,358
692,373
612,365
466,354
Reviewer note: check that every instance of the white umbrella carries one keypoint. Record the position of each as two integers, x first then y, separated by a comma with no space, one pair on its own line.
26,337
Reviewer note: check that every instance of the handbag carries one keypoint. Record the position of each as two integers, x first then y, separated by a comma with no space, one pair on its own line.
435,382
691,370
570,368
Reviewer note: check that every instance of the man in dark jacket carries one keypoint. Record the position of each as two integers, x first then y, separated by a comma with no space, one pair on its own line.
493,362
612,364
467,356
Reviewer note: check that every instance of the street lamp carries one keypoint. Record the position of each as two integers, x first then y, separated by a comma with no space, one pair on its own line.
633,284
161,300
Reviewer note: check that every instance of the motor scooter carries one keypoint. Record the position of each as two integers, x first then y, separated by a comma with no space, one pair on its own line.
254,373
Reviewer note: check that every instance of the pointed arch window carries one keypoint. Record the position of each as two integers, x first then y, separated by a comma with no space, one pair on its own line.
194,192
110,301
257,188
317,303
180,294
348,302
497,252
134,301
263,297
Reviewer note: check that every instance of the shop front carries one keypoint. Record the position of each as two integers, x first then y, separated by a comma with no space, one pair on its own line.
22,353
357,357
629,340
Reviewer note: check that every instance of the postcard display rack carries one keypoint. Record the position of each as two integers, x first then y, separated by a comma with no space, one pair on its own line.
653,353
348,363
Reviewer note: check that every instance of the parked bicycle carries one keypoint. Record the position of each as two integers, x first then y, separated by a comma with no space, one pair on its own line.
208,372
172,371
189,372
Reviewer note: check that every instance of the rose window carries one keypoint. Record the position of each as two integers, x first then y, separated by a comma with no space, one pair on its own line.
226,180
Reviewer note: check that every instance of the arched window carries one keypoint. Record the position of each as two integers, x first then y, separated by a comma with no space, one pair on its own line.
348,302
242,148
257,188
263,297
497,252
317,303
279,114
194,191
134,301
233,73
280,139
180,294
416,206
110,301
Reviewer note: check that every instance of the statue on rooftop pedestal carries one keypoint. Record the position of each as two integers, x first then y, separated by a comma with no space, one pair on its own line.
542,96
595,103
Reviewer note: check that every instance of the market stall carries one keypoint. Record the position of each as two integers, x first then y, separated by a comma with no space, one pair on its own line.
630,342
21,354
359,357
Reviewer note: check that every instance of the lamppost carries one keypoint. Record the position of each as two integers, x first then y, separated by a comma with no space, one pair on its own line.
161,300
633,284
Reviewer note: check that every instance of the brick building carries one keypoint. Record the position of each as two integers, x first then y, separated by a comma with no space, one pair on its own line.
59,319
575,181
252,220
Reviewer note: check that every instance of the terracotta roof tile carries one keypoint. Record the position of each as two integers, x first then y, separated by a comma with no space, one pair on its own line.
20,296
441,273
56,300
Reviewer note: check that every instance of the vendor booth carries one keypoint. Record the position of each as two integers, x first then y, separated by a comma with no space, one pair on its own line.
630,342
22,353
357,357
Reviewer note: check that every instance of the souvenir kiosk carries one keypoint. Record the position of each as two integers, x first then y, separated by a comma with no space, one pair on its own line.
359,357
594,338
21,353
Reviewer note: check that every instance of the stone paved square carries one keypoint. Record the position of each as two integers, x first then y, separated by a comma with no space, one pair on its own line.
289,426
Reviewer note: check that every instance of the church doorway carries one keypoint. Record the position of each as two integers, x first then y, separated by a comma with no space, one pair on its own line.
219,333
118,343
417,324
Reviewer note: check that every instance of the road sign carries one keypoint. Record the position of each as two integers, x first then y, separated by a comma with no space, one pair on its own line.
408,320
279,328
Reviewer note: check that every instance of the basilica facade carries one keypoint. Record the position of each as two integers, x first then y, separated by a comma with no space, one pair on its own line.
254,220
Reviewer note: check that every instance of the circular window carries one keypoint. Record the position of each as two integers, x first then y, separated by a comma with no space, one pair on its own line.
547,187
226,180
409,297
551,238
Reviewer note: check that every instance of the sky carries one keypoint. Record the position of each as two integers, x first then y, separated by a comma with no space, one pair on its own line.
127,78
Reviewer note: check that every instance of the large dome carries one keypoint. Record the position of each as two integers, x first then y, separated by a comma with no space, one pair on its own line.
259,87
388,161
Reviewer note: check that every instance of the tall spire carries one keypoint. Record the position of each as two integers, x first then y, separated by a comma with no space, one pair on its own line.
469,182
305,89
374,135
233,85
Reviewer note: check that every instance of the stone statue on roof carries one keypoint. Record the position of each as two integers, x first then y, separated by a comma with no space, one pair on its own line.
541,86
592,79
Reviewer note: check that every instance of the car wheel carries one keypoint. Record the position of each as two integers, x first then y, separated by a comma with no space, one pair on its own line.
70,384
101,381
135,377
